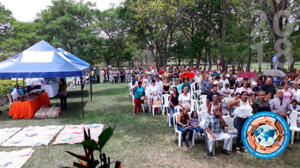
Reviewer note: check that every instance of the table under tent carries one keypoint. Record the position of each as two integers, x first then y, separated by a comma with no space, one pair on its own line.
42,60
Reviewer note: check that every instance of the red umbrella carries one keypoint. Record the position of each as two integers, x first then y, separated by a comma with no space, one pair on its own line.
247,75
188,75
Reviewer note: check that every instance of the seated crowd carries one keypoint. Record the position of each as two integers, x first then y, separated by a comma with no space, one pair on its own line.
221,95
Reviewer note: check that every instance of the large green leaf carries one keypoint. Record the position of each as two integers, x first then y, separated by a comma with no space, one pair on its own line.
90,144
78,156
104,137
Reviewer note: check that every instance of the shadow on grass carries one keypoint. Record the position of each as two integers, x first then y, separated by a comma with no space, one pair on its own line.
110,92
77,94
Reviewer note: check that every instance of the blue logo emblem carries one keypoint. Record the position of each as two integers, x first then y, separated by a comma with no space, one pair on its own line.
266,135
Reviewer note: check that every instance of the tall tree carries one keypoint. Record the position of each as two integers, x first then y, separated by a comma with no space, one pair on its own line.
71,25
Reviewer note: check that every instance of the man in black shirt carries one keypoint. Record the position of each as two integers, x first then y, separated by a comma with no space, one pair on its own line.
231,81
214,91
269,88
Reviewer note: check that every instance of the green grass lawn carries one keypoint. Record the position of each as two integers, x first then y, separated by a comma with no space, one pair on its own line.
141,141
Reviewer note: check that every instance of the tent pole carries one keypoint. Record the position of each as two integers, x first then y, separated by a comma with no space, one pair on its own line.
81,86
91,89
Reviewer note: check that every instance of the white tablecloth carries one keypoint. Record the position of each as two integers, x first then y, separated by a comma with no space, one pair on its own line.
51,89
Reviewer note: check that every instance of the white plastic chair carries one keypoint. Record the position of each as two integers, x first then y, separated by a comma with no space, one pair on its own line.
230,127
177,109
178,134
202,105
155,98
293,125
204,114
194,105
193,87
165,103
9,96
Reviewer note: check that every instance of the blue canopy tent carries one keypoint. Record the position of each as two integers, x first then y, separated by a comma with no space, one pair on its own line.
42,60
83,65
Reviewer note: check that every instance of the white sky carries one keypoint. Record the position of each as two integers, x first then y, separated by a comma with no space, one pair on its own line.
26,10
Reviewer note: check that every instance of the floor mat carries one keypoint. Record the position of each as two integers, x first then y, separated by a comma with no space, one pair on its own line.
15,159
33,136
73,134
6,133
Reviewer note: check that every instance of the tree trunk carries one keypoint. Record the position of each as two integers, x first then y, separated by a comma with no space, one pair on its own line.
179,61
224,32
199,57
208,56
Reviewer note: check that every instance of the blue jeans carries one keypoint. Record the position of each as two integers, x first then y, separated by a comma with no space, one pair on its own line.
183,130
197,129
171,114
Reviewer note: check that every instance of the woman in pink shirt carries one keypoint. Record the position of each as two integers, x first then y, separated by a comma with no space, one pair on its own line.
287,92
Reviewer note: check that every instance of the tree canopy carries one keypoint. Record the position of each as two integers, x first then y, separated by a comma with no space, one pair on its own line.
163,32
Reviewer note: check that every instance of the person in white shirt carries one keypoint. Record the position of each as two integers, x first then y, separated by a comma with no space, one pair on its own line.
158,84
224,80
185,99
225,91
296,92
152,90
245,88
15,93
242,112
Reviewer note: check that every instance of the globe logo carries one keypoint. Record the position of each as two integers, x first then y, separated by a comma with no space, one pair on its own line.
265,135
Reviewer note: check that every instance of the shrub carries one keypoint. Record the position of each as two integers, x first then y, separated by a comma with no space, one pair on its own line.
5,86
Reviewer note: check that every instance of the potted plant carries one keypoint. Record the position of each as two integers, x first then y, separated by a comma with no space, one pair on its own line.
90,146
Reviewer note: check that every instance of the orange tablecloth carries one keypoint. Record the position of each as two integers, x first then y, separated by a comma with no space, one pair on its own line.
28,108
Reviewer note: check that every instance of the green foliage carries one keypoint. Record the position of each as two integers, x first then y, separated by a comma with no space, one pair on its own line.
180,29
5,86
70,25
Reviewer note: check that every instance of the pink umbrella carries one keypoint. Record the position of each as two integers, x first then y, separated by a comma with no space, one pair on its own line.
247,75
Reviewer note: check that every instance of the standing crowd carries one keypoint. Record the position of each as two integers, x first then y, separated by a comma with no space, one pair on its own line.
204,102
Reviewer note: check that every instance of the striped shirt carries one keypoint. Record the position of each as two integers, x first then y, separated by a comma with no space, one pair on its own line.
214,124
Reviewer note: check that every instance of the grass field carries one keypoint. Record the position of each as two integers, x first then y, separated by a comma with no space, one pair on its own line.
139,142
